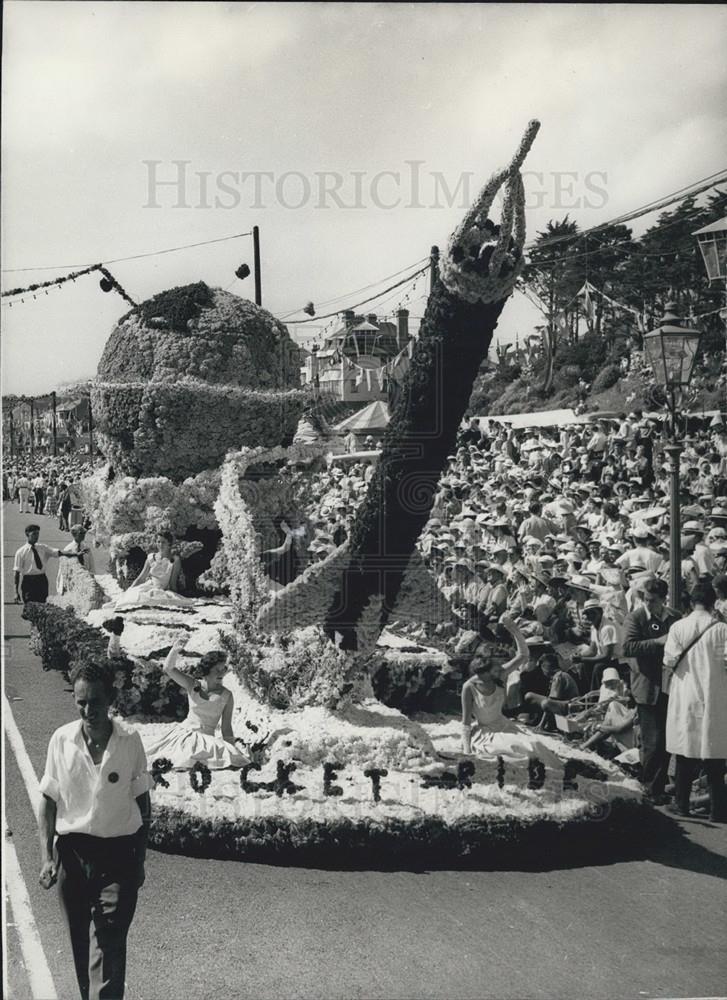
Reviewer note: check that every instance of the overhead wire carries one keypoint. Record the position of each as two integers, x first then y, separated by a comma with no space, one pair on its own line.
136,256
698,187
364,302
357,291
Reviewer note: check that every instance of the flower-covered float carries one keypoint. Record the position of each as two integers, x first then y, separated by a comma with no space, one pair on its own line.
334,773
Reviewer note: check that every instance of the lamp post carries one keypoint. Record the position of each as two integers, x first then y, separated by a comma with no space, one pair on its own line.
671,350
712,241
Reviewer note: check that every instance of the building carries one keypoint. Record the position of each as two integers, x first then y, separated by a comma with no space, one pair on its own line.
354,364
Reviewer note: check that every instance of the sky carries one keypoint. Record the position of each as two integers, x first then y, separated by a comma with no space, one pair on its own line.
353,135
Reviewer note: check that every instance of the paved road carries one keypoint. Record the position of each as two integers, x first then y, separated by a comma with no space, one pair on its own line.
637,927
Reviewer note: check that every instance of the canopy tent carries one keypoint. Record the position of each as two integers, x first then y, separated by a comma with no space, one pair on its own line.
373,419
590,418
351,457
542,418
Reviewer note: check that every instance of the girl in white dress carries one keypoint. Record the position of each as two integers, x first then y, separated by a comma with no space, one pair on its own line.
483,697
210,704
156,585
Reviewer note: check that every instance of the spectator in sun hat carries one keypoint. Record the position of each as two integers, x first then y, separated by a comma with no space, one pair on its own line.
701,554
543,601
609,574
642,552
716,535
535,525
603,648
497,598
594,562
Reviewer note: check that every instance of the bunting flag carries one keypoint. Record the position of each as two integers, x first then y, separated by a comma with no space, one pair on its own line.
359,375
410,348
380,375
591,290
589,306
368,379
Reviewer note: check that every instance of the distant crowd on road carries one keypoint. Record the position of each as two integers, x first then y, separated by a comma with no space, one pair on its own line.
47,486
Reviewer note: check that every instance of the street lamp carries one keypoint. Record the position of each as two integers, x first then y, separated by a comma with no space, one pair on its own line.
712,241
671,350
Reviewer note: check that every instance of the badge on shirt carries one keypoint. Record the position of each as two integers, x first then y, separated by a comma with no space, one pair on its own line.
113,777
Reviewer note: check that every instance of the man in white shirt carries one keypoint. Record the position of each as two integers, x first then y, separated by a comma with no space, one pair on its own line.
96,802
702,554
641,554
604,647
23,488
31,559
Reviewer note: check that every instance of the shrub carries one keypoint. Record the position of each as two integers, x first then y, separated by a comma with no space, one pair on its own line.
606,378
62,640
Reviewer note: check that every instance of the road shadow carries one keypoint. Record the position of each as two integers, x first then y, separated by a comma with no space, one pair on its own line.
628,834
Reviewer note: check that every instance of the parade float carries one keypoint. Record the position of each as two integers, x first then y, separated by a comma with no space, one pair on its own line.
194,446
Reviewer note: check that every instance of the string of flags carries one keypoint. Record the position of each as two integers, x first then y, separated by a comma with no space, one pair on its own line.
108,283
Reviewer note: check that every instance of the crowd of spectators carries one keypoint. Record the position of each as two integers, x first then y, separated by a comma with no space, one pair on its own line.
566,532
47,486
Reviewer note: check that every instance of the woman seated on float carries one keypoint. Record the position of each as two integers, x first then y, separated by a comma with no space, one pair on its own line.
210,705
483,699
158,581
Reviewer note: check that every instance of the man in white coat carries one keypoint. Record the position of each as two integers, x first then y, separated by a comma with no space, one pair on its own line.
695,668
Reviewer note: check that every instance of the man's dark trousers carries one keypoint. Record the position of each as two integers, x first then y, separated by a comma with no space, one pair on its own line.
654,758
34,588
97,883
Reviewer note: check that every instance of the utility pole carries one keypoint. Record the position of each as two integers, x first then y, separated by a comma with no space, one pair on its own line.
55,425
32,426
433,267
256,255
12,435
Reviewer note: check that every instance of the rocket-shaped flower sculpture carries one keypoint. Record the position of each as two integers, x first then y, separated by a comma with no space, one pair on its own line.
353,592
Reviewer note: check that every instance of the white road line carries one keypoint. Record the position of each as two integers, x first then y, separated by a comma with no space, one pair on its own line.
25,765
36,964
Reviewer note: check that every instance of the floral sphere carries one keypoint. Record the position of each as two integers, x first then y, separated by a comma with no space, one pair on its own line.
190,374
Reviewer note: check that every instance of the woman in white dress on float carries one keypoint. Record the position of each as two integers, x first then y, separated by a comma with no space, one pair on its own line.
157,583
483,698
210,705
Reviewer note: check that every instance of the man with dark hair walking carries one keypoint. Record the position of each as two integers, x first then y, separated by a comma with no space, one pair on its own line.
93,820
31,559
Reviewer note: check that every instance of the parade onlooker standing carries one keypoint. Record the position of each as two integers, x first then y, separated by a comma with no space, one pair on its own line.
646,631
696,730
77,548
39,493
31,581
22,487
96,802
65,503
